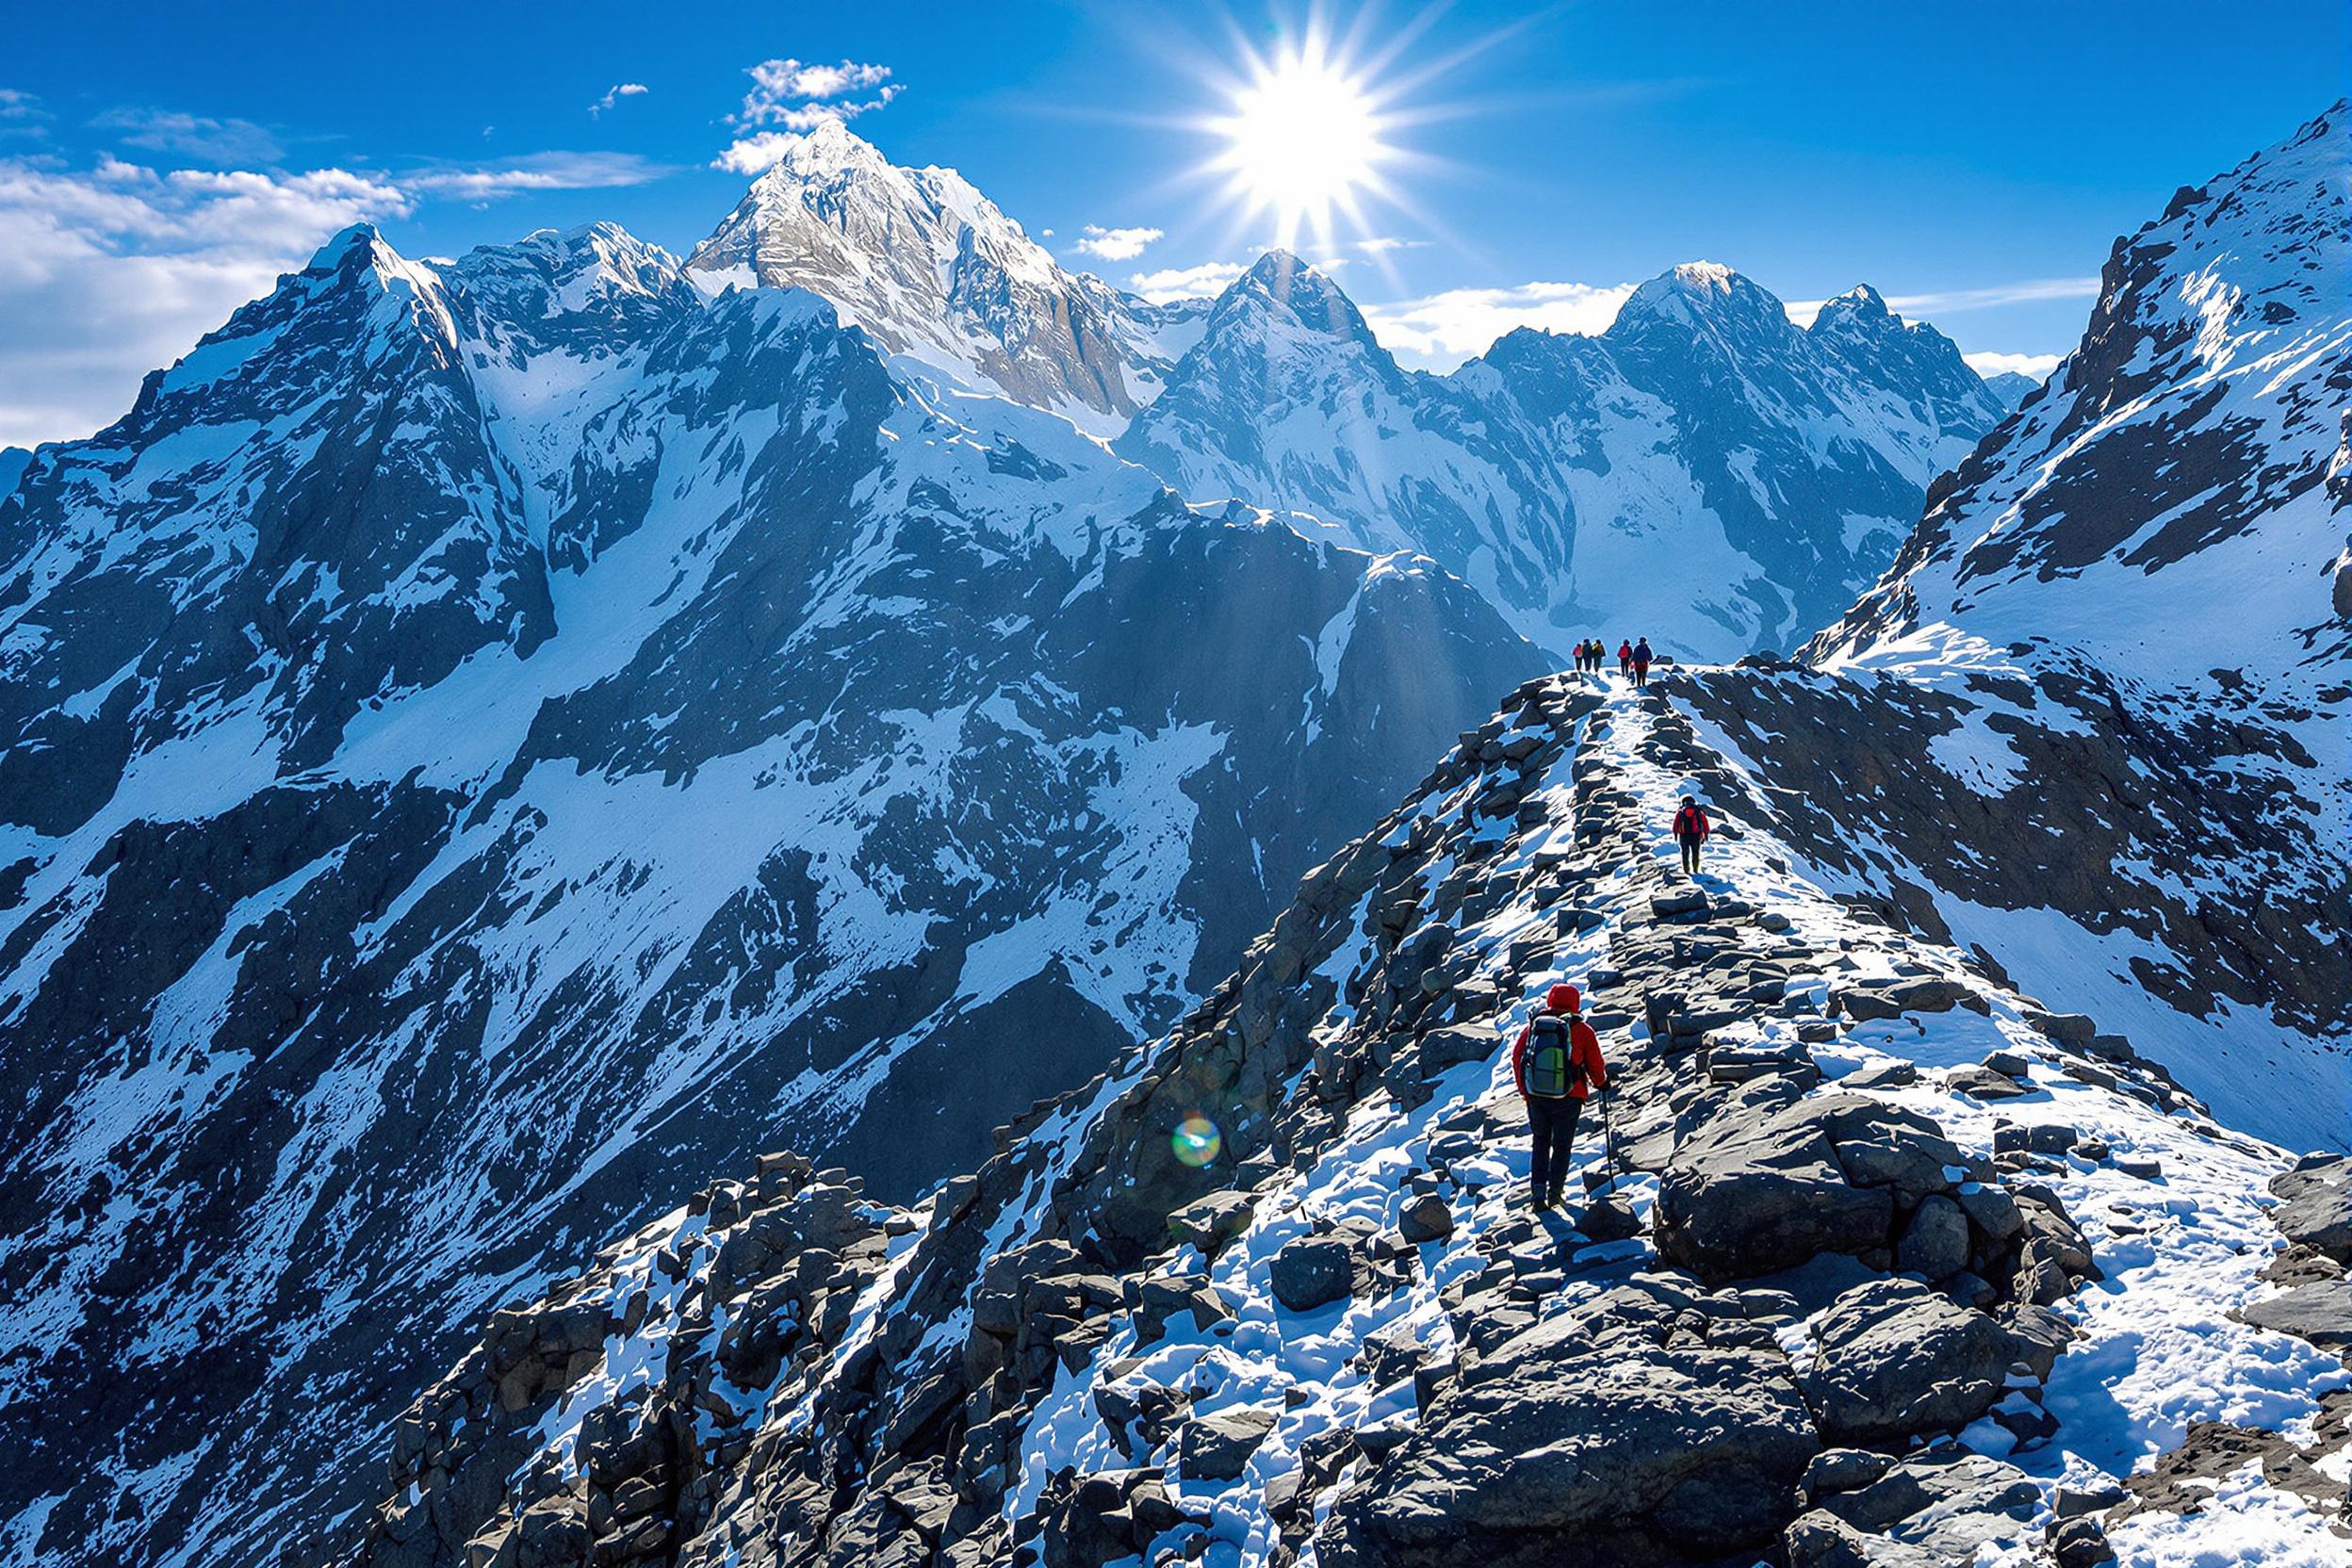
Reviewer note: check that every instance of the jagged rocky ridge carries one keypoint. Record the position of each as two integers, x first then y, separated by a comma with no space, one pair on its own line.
1704,472
487,741
1889,1263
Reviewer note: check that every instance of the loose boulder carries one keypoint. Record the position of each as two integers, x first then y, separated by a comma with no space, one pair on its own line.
1218,1448
1313,1272
1628,1453
1894,1359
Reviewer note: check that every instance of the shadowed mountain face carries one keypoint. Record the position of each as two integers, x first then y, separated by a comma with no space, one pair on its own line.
1704,472
485,742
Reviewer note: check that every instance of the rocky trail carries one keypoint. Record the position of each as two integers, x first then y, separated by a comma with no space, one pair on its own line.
1895,1265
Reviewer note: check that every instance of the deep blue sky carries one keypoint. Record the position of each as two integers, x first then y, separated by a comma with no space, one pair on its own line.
1946,154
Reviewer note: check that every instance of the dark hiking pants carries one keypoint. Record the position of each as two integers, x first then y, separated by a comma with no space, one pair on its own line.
1691,856
1554,1124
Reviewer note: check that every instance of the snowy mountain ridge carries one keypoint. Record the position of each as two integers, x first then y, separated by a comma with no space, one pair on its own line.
1875,1259
1776,467
582,729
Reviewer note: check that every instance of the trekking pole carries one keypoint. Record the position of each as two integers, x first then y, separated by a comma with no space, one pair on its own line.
1608,1139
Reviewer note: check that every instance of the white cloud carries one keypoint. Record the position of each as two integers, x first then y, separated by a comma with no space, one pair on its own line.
776,82
1381,244
614,93
800,97
1440,330
754,154
534,171
1206,281
1991,365
1116,244
21,114
108,273
2022,292
192,135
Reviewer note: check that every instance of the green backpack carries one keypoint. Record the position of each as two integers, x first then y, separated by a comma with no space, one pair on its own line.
1552,1067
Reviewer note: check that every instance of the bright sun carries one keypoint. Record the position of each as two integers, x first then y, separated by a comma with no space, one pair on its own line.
1304,138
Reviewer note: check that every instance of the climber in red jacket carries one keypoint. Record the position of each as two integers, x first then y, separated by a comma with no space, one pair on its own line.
1625,659
1691,831
1556,1063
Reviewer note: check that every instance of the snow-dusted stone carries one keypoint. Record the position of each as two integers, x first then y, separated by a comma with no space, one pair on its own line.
2080,1542
1216,1447
1759,1187
2320,1312
1426,1219
1210,1223
1894,1359
1620,1453
2316,1205
1945,1502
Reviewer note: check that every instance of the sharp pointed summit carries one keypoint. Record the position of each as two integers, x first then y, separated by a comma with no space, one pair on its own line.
933,270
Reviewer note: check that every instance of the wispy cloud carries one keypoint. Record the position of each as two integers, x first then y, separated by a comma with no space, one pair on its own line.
800,95
1440,330
1950,301
21,114
534,171
614,93
191,136
1991,365
1116,244
1206,281
107,273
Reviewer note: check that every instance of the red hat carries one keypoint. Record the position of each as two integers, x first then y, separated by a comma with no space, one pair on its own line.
1564,999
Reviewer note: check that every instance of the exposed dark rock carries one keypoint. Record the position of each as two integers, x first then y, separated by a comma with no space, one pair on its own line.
1894,1360
1216,1447
2315,1205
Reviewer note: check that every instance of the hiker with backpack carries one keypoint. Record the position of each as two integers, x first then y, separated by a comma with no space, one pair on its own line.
1691,831
1557,1064
1624,659
1641,662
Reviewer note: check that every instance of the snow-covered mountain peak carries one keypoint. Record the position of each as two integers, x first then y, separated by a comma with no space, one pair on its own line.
1294,293
1693,293
935,272
1860,308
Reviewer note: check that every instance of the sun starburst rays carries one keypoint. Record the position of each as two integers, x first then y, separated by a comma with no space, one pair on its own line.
1305,140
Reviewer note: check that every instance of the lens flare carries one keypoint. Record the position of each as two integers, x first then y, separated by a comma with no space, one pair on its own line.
1196,1140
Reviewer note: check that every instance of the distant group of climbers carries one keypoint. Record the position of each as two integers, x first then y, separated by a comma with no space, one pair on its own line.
1633,658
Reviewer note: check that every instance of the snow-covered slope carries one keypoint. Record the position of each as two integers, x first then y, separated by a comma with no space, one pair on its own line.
2097,719
1705,472
483,743
933,270
1873,1259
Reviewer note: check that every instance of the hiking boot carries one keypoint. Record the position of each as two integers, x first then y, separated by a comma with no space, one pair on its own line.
1553,1201
1540,1203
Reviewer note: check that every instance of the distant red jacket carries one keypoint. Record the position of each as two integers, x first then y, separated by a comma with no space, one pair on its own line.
1584,1050
1690,826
